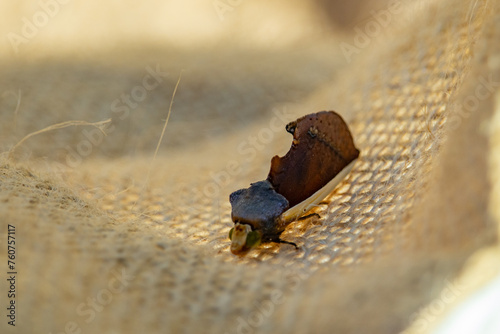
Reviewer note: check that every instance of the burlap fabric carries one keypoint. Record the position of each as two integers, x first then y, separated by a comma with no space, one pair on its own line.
113,240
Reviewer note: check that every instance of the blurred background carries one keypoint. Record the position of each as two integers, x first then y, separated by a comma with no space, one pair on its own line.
239,59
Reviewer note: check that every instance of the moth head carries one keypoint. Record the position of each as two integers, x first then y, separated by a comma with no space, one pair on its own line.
243,238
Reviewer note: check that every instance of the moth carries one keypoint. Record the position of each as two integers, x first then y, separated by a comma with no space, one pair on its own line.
321,155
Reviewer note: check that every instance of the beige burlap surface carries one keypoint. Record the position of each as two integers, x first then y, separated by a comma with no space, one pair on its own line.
113,239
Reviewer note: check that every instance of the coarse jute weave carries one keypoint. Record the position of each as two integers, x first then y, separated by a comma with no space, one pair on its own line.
113,240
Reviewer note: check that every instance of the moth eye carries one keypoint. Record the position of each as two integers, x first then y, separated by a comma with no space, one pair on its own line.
253,239
231,234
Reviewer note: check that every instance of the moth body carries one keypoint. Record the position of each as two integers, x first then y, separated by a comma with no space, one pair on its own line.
321,155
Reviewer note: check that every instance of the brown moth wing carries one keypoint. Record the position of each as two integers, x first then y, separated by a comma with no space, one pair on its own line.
322,146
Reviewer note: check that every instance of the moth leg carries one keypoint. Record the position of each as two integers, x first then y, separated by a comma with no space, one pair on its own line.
288,243
309,216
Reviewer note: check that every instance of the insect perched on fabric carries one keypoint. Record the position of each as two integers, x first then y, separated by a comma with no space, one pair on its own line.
322,154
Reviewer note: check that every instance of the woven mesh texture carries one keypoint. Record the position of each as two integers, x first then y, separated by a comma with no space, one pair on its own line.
116,240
